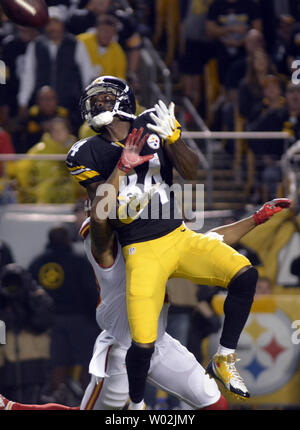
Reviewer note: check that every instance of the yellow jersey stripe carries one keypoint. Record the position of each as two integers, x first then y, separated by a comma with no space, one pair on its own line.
76,168
84,175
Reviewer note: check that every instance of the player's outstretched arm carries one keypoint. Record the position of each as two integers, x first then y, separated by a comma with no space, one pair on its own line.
234,232
168,128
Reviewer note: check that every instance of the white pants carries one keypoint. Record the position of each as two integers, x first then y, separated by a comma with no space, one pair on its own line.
173,369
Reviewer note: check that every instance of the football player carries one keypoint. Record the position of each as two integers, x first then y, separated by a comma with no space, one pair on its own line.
157,247
172,368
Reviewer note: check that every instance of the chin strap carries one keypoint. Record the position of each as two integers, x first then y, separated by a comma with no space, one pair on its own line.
105,118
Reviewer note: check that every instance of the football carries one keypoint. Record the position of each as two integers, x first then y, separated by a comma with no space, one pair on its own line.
29,13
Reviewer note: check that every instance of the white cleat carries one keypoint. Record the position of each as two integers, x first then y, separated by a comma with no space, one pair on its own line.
222,368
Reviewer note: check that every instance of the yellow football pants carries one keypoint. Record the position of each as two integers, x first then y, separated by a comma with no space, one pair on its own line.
182,253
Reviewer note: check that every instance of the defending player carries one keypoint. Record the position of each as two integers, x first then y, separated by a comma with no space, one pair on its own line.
157,248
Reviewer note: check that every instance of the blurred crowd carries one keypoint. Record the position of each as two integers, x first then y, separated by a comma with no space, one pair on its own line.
234,60
49,314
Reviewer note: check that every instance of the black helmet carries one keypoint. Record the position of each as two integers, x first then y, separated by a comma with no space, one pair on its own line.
124,105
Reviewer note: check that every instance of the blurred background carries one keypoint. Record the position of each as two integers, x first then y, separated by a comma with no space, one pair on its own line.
230,66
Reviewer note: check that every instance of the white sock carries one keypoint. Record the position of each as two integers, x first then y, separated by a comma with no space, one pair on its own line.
222,350
136,406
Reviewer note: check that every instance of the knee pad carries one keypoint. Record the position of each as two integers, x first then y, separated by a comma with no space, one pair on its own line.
245,283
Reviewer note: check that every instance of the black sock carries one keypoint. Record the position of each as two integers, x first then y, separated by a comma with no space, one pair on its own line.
137,365
237,307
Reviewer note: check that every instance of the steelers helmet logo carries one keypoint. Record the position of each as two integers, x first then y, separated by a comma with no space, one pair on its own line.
51,276
153,141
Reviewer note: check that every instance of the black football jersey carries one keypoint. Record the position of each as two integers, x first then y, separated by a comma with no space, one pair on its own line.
94,159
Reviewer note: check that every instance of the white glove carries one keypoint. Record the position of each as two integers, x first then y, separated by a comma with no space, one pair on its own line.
167,126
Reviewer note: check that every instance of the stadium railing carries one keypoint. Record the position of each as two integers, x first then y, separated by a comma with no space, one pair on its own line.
206,159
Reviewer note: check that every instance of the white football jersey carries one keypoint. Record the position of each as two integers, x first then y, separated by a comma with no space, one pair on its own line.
111,313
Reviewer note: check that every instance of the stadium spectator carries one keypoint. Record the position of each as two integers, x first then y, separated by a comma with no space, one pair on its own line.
228,22
251,87
254,41
6,255
167,23
271,97
83,20
105,53
280,48
264,286
294,48
226,114
56,59
239,106
69,280
39,117
271,13
286,118
272,94
13,50
28,314
144,15
43,181
196,51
